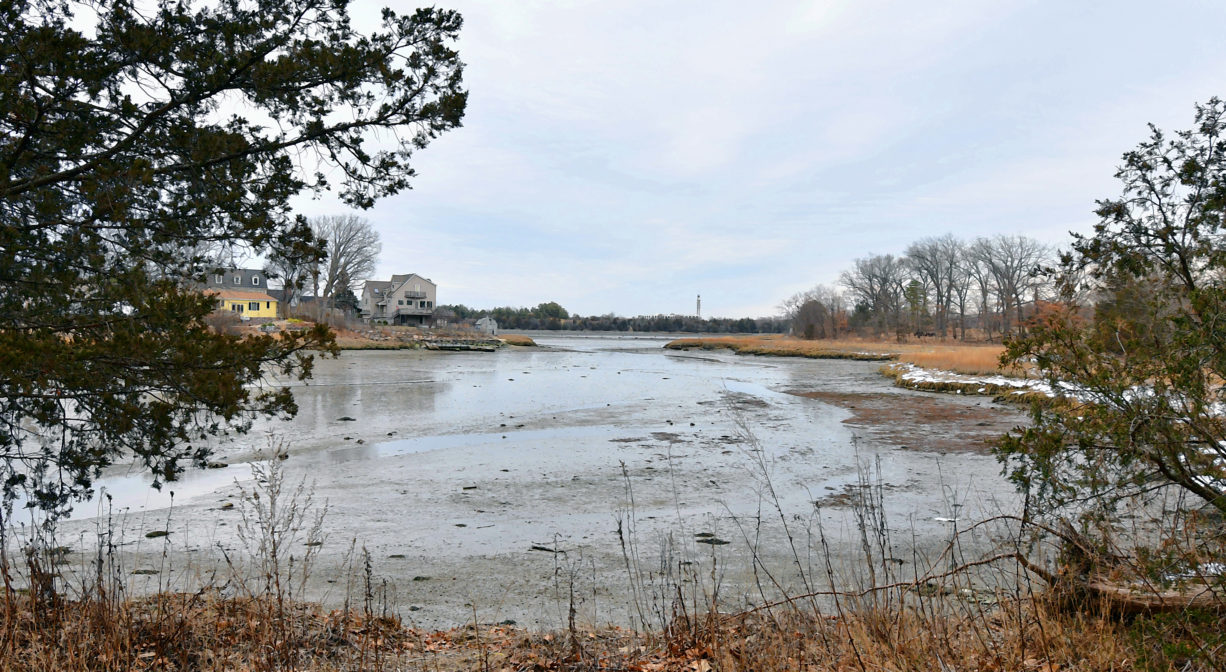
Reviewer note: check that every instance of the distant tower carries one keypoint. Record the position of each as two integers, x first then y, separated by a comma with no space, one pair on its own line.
699,308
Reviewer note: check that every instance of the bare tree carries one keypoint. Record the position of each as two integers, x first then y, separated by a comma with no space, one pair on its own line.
815,313
935,262
877,283
1013,262
977,267
961,280
352,247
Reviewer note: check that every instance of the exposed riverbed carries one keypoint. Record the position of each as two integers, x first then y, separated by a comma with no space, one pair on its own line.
461,473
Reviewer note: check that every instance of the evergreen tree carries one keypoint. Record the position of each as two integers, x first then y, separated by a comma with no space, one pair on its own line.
1139,407
136,156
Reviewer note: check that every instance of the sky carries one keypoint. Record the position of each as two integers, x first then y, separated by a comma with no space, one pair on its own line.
624,156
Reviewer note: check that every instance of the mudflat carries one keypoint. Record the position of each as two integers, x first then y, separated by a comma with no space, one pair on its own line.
602,472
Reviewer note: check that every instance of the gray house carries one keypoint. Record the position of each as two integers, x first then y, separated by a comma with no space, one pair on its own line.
405,299
488,325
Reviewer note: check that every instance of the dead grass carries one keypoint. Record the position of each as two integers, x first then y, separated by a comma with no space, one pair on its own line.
777,346
193,631
517,339
206,632
968,358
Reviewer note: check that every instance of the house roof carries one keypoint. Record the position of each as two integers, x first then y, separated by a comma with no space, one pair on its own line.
239,294
391,286
228,275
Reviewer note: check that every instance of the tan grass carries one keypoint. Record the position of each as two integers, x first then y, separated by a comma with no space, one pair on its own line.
203,631
517,339
968,358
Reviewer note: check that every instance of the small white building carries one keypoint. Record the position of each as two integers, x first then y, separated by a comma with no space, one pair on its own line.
488,325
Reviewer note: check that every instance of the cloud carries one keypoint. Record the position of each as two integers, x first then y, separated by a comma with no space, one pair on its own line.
623,157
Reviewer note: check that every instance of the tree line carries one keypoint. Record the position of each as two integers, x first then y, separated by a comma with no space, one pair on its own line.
940,286
552,316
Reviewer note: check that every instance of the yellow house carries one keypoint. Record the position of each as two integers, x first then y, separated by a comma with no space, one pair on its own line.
245,302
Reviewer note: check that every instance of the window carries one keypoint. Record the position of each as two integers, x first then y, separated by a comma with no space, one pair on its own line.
421,304
236,307
429,304
268,305
399,302
255,280
238,279
254,305
220,279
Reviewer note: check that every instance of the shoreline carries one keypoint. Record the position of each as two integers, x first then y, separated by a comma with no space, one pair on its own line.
510,519
909,366
457,468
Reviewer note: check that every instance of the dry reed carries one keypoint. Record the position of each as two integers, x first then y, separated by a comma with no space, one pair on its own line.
967,358
517,339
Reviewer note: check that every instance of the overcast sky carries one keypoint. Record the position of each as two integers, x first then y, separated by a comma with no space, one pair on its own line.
624,156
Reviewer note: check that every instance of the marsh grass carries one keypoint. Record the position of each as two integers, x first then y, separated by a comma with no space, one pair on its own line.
966,358
517,339
774,345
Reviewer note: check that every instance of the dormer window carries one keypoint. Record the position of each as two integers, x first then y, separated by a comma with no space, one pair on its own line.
238,279
220,279
255,280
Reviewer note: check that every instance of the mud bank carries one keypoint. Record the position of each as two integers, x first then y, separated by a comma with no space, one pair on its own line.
487,485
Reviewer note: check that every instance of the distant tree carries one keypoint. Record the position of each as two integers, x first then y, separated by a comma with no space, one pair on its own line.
814,313
551,310
976,265
812,320
1013,262
1138,380
916,296
876,284
351,247
463,312
348,303
936,262
961,283
141,142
